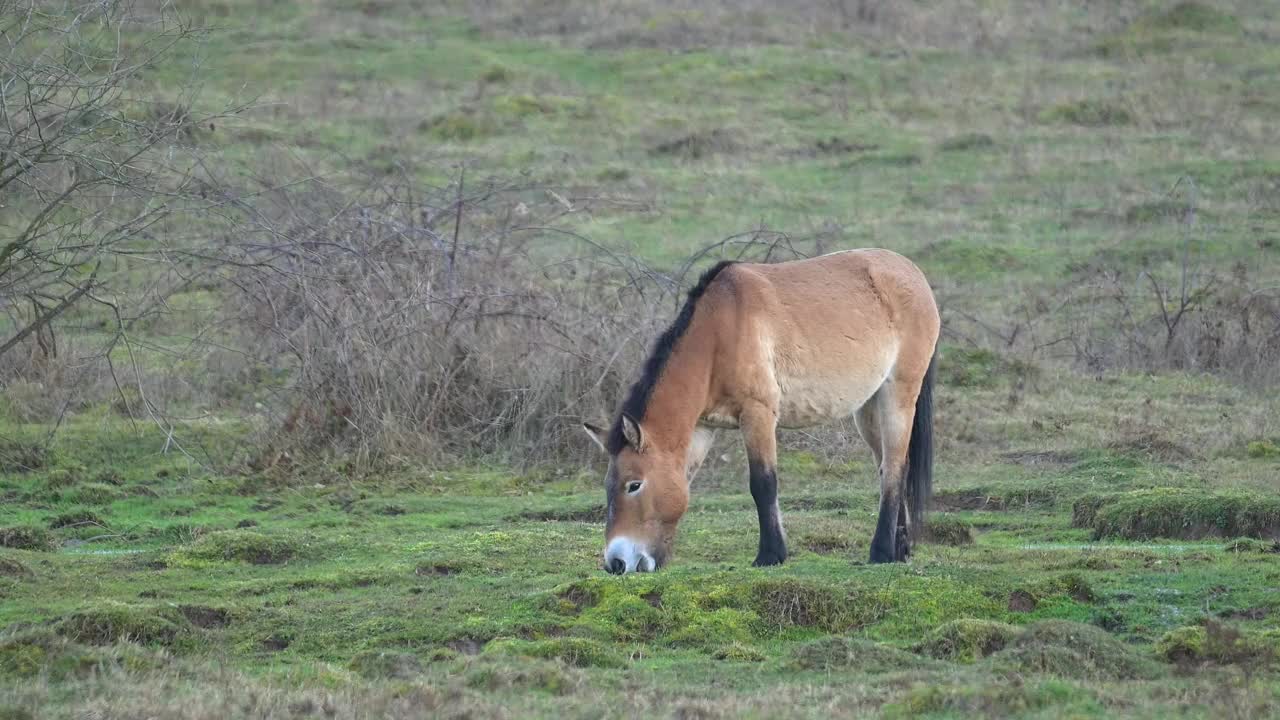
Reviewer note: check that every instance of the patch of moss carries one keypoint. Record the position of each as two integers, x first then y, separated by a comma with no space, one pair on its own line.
26,537
382,664
967,639
115,621
841,653
236,546
576,651
1186,514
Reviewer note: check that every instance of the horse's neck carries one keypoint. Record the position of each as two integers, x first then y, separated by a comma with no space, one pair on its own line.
680,396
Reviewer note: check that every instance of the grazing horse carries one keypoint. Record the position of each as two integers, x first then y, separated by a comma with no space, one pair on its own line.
763,346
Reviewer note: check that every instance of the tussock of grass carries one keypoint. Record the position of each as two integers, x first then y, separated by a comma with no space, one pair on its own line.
26,537
1089,113
115,621
74,518
42,652
967,639
967,141
738,652
1213,643
1179,513
237,546
1252,545
576,651
844,653
1071,650
383,664
11,567
789,602
996,700
945,529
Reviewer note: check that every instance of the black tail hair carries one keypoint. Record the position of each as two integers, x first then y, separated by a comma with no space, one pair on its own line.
920,453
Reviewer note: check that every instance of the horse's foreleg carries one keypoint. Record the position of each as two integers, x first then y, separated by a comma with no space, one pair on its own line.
759,431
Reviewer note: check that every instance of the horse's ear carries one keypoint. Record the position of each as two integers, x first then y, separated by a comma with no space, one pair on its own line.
597,434
632,432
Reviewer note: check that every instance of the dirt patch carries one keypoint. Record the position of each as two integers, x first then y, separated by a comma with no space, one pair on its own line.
205,617
951,501
246,524
838,146
1021,601
390,510
654,598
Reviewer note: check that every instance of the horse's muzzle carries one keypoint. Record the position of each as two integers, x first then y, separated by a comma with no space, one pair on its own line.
623,555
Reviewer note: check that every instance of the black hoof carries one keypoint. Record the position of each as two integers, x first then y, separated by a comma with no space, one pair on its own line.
765,559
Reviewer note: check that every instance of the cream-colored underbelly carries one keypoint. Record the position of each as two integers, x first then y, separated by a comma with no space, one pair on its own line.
811,400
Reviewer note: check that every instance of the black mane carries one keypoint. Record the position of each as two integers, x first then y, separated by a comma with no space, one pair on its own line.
638,397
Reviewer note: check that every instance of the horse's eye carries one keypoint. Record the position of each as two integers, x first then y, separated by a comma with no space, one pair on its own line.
633,487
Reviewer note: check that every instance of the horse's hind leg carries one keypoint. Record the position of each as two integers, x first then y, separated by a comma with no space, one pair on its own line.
868,427
893,408
759,431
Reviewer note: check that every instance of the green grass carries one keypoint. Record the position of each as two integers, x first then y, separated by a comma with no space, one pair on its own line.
1021,159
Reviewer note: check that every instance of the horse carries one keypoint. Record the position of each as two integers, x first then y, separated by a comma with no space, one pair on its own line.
785,345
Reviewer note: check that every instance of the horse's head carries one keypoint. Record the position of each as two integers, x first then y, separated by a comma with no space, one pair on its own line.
646,494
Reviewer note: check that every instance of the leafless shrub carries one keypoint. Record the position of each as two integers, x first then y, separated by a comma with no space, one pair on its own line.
93,174
455,320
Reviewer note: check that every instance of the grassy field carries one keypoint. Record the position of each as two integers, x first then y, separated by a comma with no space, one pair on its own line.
1107,521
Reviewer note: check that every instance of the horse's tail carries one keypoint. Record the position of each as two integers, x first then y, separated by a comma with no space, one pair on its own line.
919,483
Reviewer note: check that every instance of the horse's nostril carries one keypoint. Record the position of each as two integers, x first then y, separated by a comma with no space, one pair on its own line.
617,566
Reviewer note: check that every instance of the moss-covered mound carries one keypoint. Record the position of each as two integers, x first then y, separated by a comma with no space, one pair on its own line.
237,546
1071,650
944,529
115,621
967,639
1179,513
1214,643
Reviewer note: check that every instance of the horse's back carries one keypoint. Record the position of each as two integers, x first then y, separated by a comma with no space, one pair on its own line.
817,337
